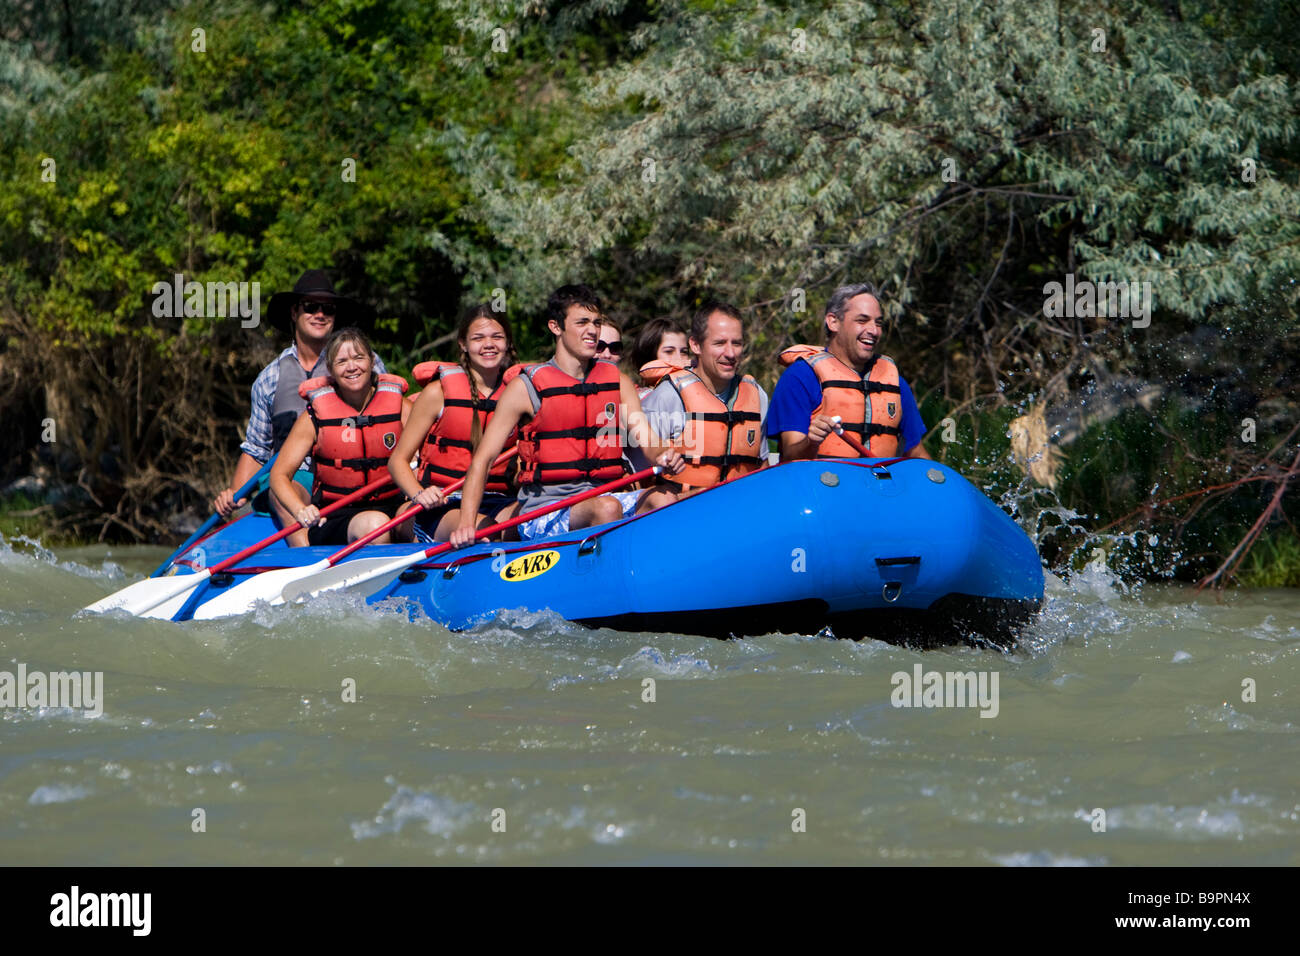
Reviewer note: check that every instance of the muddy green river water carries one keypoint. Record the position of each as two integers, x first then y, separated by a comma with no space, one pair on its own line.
1134,726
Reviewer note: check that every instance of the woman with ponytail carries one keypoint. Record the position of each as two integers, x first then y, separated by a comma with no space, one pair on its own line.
662,342
447,422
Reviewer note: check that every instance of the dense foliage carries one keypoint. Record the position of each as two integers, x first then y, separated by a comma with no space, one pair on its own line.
960,155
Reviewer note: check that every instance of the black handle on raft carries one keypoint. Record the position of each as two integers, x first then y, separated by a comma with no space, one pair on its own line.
893,562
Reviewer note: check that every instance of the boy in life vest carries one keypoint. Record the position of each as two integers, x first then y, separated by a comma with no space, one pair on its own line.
353,420
308,312
849,379
569,412
714,415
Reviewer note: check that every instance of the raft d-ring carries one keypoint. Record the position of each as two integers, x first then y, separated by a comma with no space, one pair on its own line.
891,591
588,546
450,571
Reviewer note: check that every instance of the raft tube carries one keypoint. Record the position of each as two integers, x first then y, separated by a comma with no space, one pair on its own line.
909,552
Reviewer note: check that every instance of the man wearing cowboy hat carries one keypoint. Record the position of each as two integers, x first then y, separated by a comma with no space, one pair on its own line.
311,311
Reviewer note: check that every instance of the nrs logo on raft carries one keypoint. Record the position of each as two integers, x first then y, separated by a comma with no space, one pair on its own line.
529,566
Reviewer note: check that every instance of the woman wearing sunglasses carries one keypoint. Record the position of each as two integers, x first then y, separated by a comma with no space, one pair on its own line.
610,346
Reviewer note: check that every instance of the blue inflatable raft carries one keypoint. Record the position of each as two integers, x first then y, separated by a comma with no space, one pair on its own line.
909,552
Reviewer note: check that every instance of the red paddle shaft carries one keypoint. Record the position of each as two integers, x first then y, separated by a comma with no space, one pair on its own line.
252,549
392,523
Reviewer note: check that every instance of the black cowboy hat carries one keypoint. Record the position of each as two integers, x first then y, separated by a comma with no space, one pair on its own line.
315,283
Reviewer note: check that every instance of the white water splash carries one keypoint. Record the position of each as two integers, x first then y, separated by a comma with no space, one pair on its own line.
439,815
56,793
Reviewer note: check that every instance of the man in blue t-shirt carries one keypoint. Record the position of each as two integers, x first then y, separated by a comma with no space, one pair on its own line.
852,330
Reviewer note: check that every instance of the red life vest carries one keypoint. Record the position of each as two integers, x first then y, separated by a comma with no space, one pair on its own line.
448,448
869,405
352,448
720,441
574,436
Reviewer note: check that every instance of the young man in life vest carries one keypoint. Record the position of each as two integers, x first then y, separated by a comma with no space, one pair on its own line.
353,420
569,412
714,415
849,379
309,312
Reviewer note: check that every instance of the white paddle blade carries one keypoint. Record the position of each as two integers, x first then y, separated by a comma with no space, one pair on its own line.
240,598
169,608
372,573
145,595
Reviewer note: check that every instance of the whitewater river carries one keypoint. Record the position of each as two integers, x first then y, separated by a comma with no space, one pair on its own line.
1133,727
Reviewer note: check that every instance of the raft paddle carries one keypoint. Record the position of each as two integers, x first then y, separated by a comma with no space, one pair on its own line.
289,584
143,596
355,546
166,596
212,521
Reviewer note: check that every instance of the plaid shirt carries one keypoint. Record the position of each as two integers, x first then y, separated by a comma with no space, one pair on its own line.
257,439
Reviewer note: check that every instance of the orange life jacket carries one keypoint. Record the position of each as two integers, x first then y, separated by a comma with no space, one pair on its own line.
869,405
575,434
352,448
654,371
720,441
448,448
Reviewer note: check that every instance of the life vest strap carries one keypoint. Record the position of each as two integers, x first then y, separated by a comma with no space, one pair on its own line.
729,417
873,428
585,432
341,490
582,388
496,477
444,442
357,464
859,385
439,470
484,404
357,421
726,461
581,464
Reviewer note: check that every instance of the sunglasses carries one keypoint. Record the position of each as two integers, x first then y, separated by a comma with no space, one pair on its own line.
324,308
613,348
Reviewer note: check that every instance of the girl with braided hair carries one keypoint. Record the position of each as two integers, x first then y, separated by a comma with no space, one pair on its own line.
447,422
